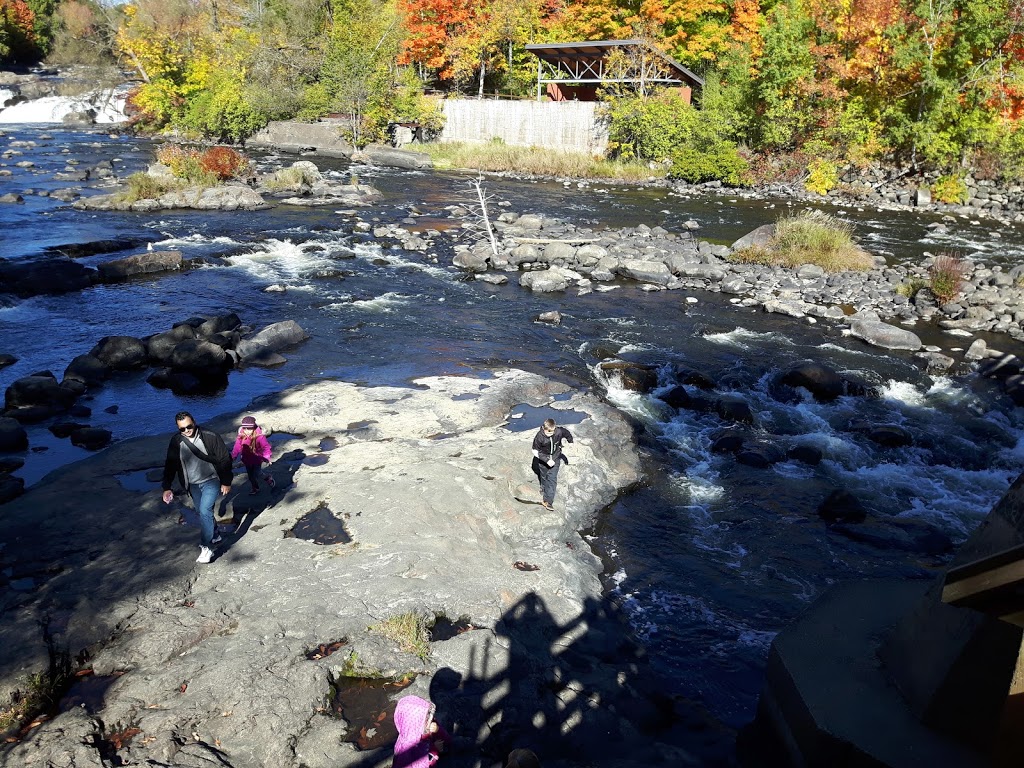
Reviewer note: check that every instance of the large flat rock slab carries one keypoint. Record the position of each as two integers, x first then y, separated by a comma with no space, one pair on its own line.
434,493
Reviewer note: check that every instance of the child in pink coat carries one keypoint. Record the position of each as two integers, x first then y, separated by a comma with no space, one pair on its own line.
420,739
254,448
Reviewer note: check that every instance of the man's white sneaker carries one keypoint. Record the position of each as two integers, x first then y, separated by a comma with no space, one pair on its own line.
205,555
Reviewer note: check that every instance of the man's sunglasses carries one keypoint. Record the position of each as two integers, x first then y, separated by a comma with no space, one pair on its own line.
186,428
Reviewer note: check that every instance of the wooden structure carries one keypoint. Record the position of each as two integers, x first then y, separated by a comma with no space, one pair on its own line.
574,71
994,585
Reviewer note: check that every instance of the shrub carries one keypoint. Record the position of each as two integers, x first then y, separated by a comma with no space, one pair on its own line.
822,176
408,630
810,238
911,287
186,164
946,277
224,162
721,162
950,189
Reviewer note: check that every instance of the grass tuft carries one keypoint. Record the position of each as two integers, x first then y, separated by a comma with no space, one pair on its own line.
911,287
407,630
946,277
142,186
39,695
538,161
810,238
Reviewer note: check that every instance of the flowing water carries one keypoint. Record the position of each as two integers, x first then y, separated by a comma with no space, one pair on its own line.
711,557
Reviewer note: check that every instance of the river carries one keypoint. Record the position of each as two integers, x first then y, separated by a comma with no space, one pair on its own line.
710,557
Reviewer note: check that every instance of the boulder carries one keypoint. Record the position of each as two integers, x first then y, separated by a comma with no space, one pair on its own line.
160,346
64,429
471,261
377,154
6,360
1014,387
644,271
10,464
841,507
545,280
273,338
677,397
735,410
806,454
559,252
883,335
692,378
820,380
37,389
46,276
530,222
727,442
522,254
91,438
219,324
121,353
759,237
635,377
554,317
88,369
141,264
198,355
890,436
760,456
13,436
33,414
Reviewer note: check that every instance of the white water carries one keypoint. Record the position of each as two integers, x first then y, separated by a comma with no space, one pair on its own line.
108,105
6,94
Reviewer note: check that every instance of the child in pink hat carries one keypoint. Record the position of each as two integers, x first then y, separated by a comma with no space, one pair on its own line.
254,448
420,739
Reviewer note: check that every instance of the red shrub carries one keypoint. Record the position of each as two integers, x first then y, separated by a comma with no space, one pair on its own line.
224,162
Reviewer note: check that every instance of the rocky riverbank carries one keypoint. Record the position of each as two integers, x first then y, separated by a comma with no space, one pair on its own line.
427,507
549,254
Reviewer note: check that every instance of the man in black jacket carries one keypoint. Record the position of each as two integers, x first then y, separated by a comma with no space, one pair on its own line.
202,464
548,458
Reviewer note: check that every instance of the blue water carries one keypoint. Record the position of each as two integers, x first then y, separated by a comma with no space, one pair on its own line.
710,557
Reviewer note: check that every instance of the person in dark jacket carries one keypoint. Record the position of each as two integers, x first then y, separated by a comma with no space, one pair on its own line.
548,458
202,464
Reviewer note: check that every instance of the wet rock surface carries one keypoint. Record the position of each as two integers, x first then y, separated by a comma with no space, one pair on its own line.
215,658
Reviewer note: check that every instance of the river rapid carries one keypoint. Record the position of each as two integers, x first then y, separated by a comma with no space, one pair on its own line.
711,558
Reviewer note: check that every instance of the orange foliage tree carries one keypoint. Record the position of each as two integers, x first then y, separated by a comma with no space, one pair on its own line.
17,35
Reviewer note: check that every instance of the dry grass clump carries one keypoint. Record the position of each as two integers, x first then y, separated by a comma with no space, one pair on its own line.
810,238
946,277
408,631
142,186
497,156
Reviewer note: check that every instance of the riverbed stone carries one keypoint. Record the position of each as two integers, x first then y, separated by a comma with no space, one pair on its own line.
545,280
644,271
13,436
272,338
140,264
121,353
39,388
88,369
818,379
841,507
883,335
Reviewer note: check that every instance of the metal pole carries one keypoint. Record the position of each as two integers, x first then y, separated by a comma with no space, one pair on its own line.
540,62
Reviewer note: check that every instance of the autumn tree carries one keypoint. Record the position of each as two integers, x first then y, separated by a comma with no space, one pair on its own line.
17,32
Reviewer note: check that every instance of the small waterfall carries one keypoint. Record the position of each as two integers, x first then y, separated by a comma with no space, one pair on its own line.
107,105
6,94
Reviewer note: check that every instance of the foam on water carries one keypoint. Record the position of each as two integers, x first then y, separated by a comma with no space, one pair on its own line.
6,94
275,260
744,339
107,104
386,302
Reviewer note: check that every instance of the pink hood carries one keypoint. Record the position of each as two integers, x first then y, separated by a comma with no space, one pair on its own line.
412,715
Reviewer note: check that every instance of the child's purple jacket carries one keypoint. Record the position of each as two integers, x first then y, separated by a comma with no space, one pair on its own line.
414,748
252,454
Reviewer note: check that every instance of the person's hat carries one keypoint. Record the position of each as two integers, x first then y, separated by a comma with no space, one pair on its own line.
249,421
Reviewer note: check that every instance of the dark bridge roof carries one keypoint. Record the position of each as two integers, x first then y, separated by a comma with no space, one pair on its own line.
583,62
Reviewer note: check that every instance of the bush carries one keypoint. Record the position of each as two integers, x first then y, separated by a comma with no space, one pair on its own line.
224,163
822,176
810,238
187,164
950,188
720,163
911,287
946,277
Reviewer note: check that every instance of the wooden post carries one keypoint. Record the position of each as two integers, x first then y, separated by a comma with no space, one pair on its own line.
540,63
1009,748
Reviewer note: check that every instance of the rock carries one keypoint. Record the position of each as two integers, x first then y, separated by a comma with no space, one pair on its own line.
977,351
471,261
530,222
91,438
759,237
491,279
13,436
1014,387
376,154
735,286
10,488
677,397
809,272
735,410
95,247
884,335
727,442
818,379
219,324
635,377
293,136
10,464
790,308
841,507
44,276
11,197
121,353
554,317
196,355
273,338
88,369
806,454
644,271
760,456
141,264
160,346
64,429
37,389
692,378
1000,367
6,360
545,280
